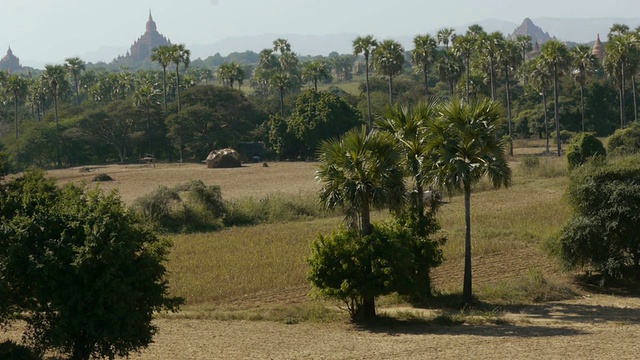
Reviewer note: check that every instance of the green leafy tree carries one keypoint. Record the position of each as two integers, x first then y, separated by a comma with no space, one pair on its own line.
423,55
319,116
75,66
359,172
366,46
602,234
556,56
83,268
464,147
389,59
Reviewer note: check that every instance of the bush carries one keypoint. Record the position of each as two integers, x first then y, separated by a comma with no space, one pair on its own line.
625,141
530,162
352,268
582,148
565,136
604,231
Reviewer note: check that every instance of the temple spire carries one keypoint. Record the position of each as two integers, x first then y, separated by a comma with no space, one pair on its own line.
150,17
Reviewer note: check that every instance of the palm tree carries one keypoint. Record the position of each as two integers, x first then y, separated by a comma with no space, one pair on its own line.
524,43
225,74
146,96
179,54
237,73
509,57
18,88
449,68
75,65
583,62
464,46
541,77
445,36
465,147
161,55
281,82
556,55
314,71
54,78
389,58
490,44
620,51
366,46
282,46
359,172
424,53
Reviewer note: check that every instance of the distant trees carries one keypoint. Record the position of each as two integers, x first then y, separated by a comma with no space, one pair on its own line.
423,55
53,77
75,65
556,55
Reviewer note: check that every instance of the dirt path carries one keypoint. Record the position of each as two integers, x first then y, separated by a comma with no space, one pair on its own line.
600,327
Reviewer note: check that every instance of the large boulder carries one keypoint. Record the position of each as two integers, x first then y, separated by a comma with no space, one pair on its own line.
223,158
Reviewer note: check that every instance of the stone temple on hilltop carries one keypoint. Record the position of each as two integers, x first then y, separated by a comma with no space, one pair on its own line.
151,39
10,62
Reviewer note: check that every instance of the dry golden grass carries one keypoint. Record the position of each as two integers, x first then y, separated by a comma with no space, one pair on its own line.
254,180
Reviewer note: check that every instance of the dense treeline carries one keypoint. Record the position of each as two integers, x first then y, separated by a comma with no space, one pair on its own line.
178,110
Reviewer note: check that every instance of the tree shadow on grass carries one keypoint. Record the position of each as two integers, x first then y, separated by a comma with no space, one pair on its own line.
397,327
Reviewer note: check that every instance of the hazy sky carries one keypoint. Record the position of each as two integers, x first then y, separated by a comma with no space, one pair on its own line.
41,31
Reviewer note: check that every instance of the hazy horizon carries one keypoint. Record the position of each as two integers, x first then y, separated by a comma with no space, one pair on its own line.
47,31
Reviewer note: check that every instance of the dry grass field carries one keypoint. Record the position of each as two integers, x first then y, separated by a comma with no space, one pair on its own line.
247,297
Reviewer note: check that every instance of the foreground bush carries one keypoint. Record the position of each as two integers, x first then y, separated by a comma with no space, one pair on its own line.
350,268
84,273
604,232
582,148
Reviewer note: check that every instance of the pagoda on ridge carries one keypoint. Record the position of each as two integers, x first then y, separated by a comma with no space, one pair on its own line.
598,49
151,39
10,62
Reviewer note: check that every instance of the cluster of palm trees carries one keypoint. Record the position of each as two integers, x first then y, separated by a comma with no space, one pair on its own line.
449,145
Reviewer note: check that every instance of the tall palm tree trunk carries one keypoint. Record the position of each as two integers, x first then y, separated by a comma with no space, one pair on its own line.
582,104
282,102
390,90
164,87
509,110
15,98
55,105
425,71
468,73
635,104
467,283
623,105
149,150
366,60
369,301
492,76
556,113
75,80
546,121
178,86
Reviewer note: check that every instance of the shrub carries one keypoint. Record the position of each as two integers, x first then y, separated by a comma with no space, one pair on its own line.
582,148
625,141
604,231
351,268
530,162
565,136
9,350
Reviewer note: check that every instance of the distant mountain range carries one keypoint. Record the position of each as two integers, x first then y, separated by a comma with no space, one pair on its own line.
578,30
